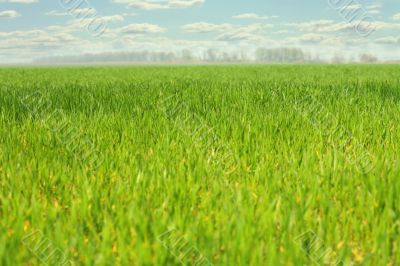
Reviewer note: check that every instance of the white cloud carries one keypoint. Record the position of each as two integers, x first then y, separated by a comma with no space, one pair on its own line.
388,40
83,12
281,32
374,9
87,24
230,33
9,14
317,39
309,38
351,7
78,12
141,29
377,6
56,13
161,4
396,17
239,36
314,25
331,26
34,40
204,27
79,24
113,18
253,16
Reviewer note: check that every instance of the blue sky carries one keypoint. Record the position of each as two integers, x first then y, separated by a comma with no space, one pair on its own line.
329,28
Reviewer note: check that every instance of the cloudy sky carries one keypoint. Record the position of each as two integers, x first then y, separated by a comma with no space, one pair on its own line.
35,28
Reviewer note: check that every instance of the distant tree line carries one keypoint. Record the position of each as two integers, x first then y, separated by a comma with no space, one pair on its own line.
282,55
261,55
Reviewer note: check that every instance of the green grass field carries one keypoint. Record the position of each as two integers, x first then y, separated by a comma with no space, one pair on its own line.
200,165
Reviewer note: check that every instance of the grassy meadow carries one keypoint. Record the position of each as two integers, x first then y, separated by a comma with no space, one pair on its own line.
200,165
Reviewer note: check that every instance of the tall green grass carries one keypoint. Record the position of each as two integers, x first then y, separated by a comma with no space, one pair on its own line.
236,160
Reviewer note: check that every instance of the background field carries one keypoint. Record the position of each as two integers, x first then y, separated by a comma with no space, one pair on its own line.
244,165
